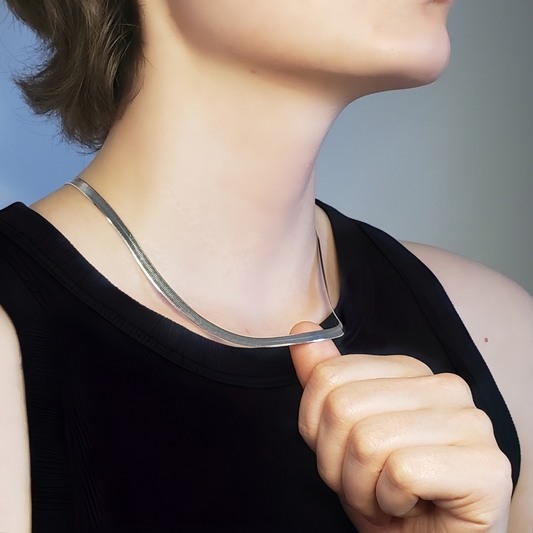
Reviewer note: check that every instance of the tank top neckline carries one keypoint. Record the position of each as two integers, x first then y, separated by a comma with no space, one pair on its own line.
257,367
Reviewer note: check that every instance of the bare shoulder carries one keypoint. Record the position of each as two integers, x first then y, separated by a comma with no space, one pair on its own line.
15,498
498,314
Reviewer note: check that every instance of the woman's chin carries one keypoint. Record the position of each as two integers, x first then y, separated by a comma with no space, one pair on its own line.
419,66
428,67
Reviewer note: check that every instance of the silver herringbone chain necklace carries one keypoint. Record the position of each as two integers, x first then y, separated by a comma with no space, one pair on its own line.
166,290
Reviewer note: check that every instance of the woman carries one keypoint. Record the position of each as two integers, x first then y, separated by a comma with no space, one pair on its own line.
138,417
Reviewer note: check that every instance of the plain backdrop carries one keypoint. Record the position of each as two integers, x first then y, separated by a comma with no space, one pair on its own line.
450,164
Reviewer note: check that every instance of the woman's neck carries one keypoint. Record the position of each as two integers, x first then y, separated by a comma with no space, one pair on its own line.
214,172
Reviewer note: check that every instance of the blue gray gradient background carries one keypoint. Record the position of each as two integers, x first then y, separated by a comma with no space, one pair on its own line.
450,164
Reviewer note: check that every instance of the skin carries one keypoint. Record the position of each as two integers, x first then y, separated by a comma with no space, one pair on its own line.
400,457
234,101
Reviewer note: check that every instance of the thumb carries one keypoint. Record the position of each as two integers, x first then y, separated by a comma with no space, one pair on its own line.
305,357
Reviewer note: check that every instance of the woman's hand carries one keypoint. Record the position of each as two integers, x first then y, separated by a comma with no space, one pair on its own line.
405,450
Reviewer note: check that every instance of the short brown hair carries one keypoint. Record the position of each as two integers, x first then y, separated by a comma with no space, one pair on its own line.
92,55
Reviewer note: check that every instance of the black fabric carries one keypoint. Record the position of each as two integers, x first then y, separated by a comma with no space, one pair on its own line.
138,425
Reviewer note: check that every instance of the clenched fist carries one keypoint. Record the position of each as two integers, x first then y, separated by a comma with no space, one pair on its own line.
406,450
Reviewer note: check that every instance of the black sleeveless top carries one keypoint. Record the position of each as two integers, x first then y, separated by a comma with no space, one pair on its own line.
138,425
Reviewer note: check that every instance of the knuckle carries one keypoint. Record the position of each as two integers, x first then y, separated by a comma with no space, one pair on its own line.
478,422
401,470
339,408
365,445
498,462
454,386
506,470
495,471
326,375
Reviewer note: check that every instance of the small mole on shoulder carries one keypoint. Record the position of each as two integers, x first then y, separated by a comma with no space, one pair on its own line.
485,339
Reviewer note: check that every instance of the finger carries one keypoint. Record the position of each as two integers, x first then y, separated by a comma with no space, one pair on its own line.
374,439
339,371
327,429
459,480
306,357
359,367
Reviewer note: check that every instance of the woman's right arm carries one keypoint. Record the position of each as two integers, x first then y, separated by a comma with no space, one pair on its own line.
15,497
